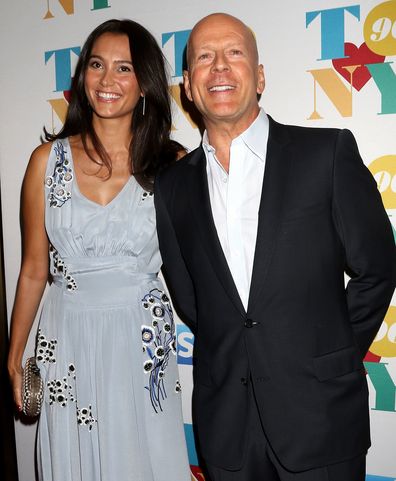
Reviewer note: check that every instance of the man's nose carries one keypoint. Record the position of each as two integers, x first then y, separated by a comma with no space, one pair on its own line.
220,63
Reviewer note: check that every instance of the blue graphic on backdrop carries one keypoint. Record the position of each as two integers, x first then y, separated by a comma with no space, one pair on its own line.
185,343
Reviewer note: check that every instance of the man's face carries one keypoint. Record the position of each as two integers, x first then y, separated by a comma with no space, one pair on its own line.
224,77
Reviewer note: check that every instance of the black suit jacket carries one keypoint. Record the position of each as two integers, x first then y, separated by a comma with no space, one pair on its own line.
303,337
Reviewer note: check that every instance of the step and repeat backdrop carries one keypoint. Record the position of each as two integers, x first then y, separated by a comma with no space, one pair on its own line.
327,63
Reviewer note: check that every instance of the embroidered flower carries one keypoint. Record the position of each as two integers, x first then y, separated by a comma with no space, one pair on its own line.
167,327
58,267
147,335
157,311
148,366
146,195
57,183
165,299
85,417
62,391
159,342
159,352
45,348
72,371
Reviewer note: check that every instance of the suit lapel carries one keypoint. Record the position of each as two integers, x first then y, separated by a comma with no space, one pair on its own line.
198,196
277,168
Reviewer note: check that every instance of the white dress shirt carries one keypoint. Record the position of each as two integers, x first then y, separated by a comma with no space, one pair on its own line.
235,199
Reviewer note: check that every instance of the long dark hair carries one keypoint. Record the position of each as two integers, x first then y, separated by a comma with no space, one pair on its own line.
151,147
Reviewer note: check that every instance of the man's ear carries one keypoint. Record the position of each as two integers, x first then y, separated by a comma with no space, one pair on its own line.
260,79
187,86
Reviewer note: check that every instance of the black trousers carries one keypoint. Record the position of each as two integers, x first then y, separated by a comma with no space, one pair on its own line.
261,464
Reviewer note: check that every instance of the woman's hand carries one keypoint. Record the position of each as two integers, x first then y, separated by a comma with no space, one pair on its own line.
15,374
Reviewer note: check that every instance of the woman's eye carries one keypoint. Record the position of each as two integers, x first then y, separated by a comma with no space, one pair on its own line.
125,68
95,64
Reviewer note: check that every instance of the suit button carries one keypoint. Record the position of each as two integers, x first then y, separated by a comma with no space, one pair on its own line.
250,323
243,381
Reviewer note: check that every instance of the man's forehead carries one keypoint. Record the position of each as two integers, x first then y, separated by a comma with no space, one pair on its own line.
205,38
209,43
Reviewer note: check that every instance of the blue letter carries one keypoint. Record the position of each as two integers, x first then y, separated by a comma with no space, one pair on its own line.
63,72
180,40
332,29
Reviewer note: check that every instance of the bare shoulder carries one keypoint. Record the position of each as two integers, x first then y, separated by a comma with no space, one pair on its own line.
35,171
40,155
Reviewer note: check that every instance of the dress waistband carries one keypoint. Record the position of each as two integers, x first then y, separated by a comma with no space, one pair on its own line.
98,280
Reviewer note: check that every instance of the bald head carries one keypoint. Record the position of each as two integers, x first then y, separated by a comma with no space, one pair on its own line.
224,78
212,23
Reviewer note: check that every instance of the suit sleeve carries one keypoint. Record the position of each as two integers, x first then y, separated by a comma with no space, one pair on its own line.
174,268
366,234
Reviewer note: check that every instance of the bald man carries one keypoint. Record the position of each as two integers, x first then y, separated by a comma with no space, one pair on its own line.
257,228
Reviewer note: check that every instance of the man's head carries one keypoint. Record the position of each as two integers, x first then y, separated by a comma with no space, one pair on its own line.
223,77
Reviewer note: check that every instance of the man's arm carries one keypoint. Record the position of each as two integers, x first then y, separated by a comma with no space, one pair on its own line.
365,231
174,268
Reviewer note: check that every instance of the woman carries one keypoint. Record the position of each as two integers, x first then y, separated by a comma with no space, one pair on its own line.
106,339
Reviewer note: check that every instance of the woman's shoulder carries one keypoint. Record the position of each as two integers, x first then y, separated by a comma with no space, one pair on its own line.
40,155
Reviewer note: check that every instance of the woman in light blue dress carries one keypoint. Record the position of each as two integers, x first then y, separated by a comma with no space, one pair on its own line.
106,339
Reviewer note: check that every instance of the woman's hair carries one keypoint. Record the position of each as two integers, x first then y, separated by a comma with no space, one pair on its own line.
151,147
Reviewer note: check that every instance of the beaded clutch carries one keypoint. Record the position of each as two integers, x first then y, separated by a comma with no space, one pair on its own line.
32,388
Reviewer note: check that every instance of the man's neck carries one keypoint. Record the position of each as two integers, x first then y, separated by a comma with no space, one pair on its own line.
222,133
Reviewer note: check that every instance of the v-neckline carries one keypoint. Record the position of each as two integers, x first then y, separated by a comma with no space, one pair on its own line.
83,196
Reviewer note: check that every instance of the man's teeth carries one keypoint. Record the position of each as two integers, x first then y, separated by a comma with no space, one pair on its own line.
106,95
221,88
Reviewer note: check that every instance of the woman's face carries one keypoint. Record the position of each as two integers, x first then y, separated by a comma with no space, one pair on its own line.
110,82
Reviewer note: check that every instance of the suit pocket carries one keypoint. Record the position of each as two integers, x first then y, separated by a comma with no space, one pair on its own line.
337,363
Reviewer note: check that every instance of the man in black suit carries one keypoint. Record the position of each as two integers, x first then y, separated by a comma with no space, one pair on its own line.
257,228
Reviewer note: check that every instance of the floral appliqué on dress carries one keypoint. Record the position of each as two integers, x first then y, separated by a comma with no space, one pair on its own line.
159,342
59,267
61,391
57,183
45,348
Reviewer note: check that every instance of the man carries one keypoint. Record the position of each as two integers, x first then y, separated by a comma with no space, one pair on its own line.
255,261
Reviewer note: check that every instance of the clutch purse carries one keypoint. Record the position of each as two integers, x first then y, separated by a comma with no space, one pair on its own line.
32,388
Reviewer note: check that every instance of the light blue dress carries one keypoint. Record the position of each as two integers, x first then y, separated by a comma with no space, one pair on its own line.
106,340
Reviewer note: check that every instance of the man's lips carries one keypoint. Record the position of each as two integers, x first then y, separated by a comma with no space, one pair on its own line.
221,88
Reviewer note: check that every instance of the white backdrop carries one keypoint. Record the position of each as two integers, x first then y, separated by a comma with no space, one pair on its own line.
302,45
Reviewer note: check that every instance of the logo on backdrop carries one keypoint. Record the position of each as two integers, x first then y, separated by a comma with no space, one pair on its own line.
61,60
352,66
185,344
384,172
384,344
67,6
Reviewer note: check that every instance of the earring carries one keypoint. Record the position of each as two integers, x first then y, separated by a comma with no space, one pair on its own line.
144,104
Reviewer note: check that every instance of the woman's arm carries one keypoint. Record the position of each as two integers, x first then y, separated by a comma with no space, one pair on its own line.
34,268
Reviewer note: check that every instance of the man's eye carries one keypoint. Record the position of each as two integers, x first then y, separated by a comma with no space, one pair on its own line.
235,51
204,56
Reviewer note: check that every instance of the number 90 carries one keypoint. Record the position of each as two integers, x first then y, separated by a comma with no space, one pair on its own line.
380,29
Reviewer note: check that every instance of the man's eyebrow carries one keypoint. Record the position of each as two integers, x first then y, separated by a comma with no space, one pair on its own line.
209,46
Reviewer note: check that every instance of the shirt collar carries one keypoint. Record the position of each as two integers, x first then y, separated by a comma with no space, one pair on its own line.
255,137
